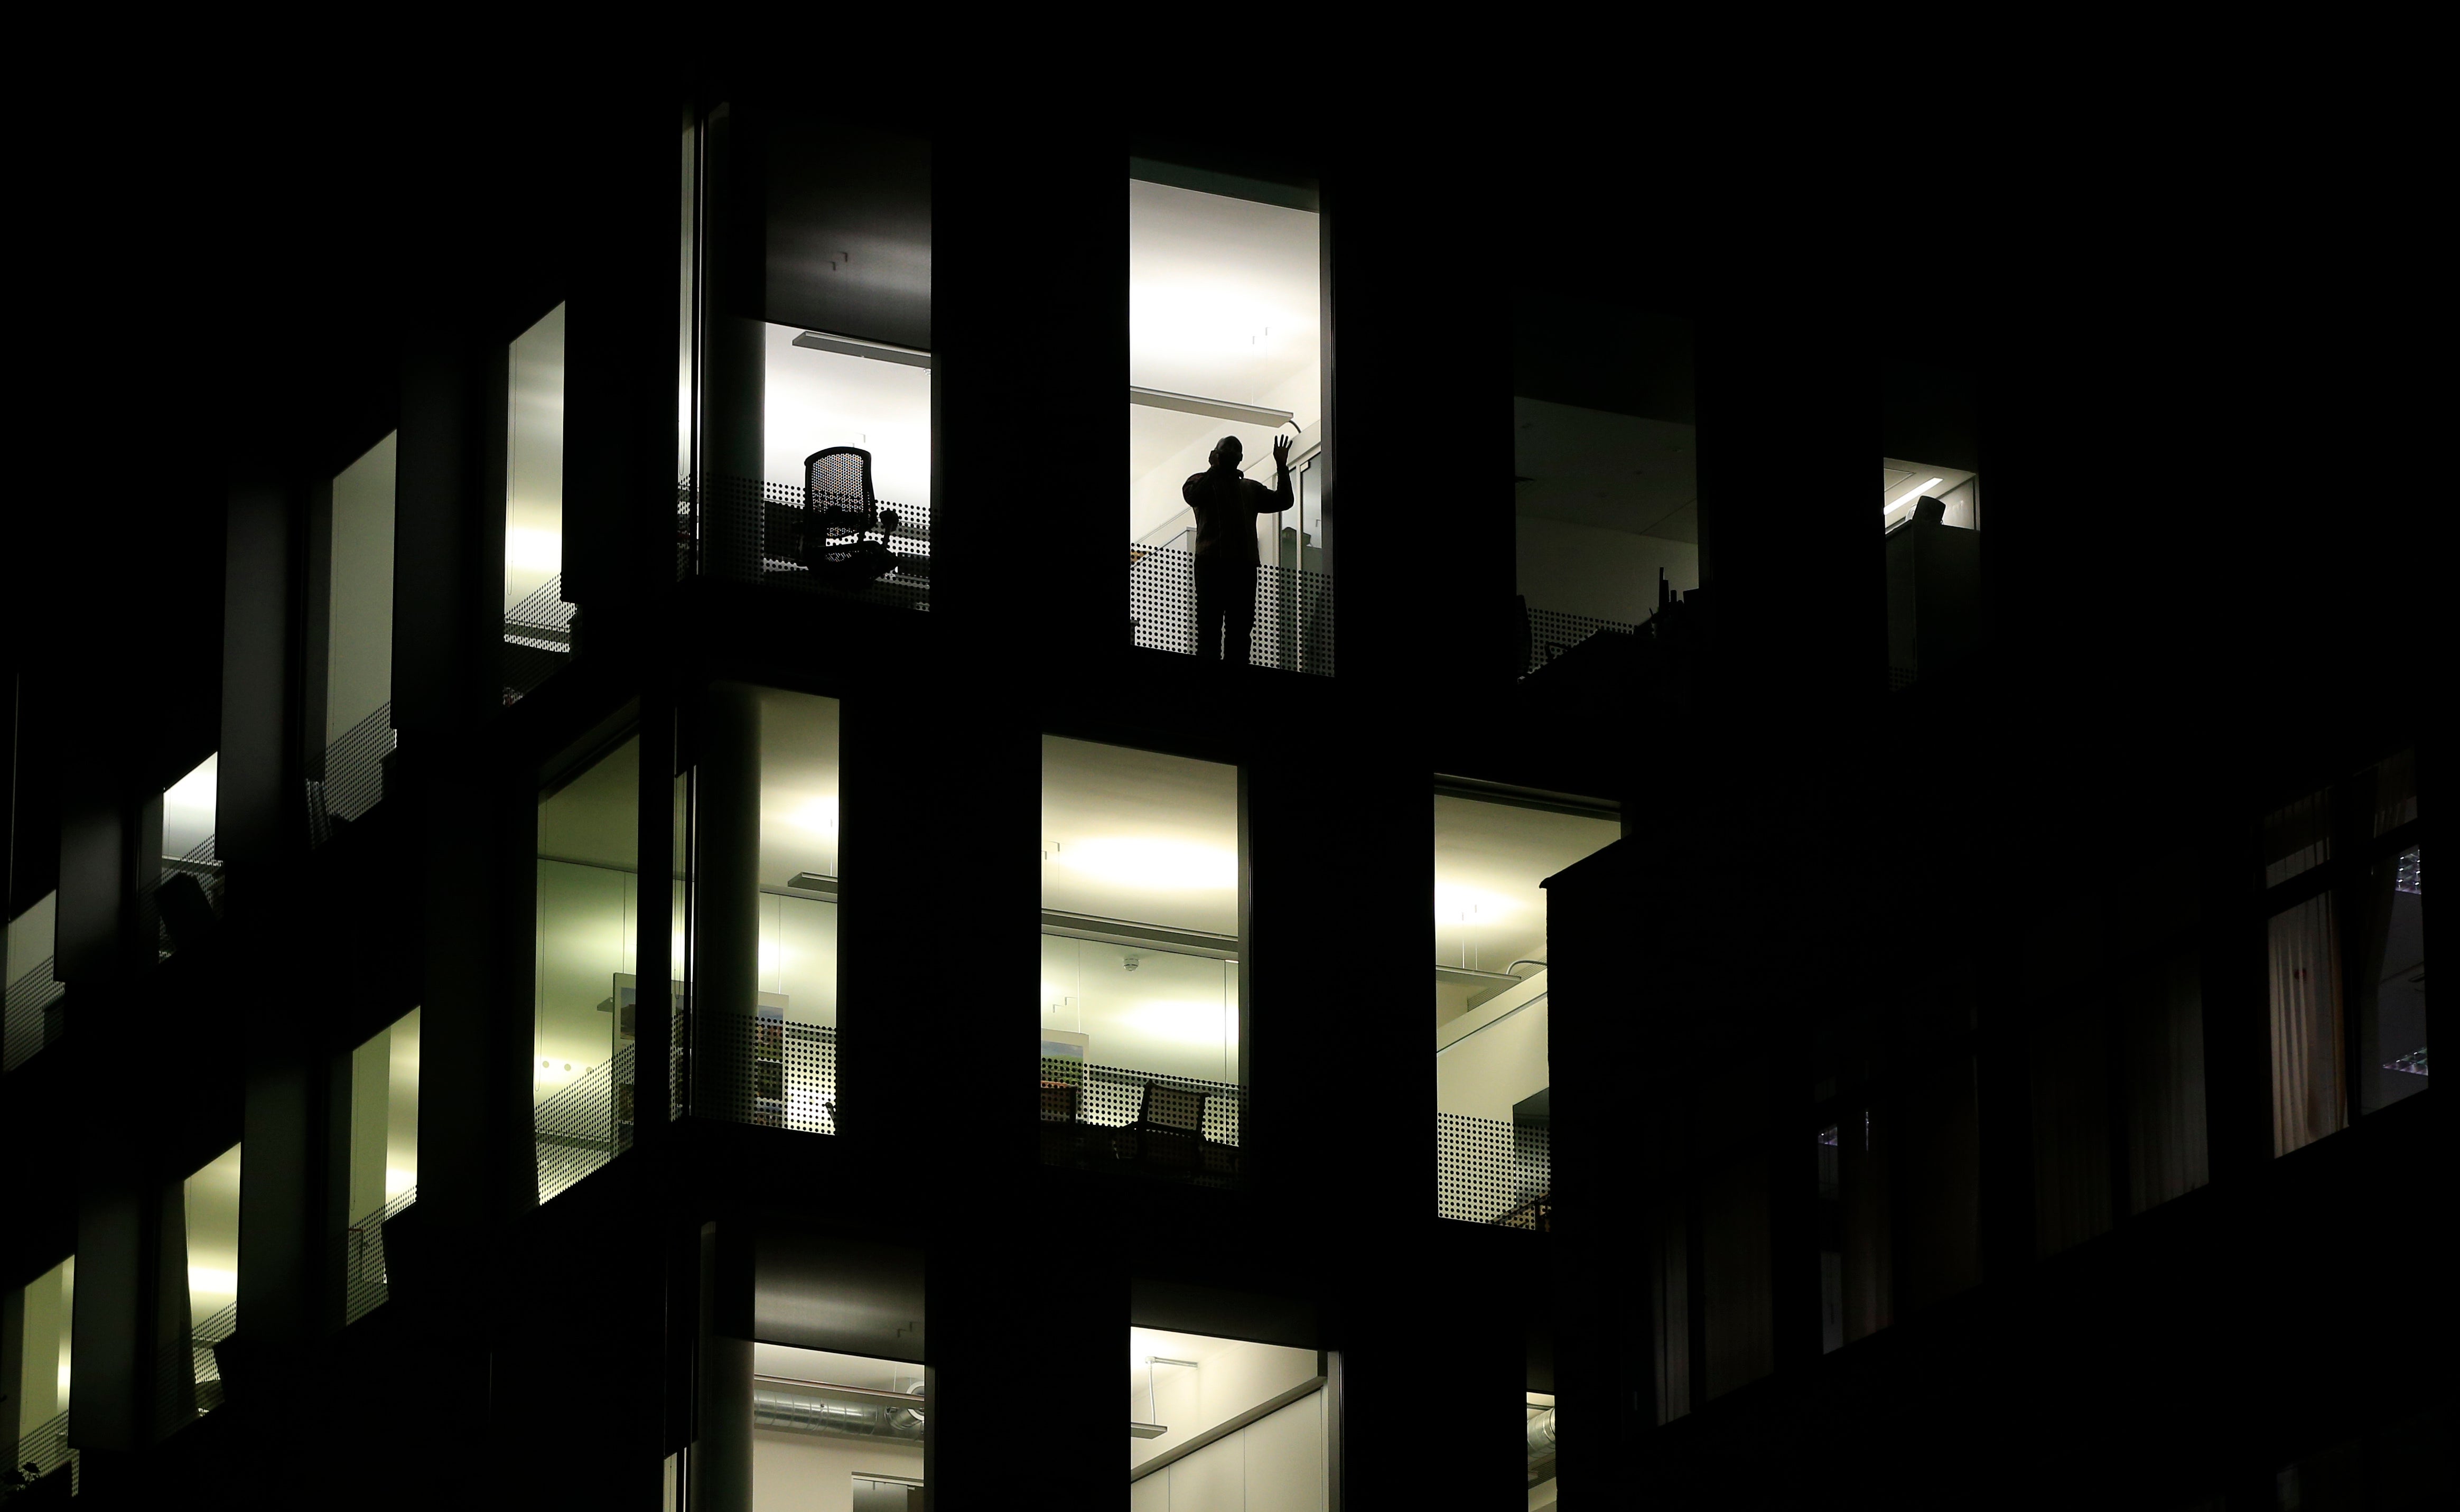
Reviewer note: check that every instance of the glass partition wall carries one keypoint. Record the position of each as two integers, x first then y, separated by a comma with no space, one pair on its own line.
1230,544
1493,1111
1141,1011
806,392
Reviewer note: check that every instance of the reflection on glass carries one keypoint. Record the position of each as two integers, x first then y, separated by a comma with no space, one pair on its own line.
2391,1015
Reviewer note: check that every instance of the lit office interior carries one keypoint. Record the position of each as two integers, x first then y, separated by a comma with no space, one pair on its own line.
537,622
588,922
191,1378
357,648
1225,339
1539,1424
187,895
1140,1011
836,1433
1220,1425
1606,522
35,1368
807,432
384,1156
1493,1116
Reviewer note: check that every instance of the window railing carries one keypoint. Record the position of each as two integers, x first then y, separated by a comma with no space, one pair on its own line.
365,1286
1293,629
1493,1173
767,533
172,898
354,775
537,639
1117,1120
189,1381
31,1022
46,1449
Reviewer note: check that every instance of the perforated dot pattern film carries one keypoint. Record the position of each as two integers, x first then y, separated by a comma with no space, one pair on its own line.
33,1018
1499,1174
1294,610
354,775
768,1073
583,1124
1554,633
537,639
816,541
46,1449
1116,1119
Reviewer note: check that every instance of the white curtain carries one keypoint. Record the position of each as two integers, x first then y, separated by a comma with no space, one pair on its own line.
2306,1098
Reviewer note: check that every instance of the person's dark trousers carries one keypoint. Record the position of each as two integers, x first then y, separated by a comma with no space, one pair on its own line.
1225,612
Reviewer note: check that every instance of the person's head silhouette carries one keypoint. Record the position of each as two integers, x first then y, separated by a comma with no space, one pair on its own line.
1227,453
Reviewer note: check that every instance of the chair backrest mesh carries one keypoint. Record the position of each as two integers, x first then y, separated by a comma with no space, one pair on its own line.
1174,1107
838,478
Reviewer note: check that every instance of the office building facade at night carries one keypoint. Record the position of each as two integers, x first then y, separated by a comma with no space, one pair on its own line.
1991,1043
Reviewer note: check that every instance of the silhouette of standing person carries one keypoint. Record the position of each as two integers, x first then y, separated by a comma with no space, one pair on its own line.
1226,505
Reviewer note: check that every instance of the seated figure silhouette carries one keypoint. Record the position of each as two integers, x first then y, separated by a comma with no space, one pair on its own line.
1226,505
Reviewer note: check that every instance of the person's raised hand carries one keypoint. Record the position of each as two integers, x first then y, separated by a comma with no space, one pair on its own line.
1282,450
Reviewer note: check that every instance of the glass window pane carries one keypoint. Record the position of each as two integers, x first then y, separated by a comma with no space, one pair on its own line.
587,922
1226,365
2391,975
2305,995
2168,1145
191,1375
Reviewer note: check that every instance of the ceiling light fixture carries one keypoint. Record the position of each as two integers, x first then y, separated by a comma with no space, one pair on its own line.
858,347
1218,409
1908,498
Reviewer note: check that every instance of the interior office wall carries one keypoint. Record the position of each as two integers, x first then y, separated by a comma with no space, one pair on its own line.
813,400
1139,836
1584,569
1230,1376
809,1473
1482,1075
1276,1461
1144,1009
358,658
383,1118
533,460
40,1393
210,1203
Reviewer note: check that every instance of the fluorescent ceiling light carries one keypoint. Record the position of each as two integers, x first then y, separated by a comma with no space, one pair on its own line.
1907,497
1161,864
1218,409
856,347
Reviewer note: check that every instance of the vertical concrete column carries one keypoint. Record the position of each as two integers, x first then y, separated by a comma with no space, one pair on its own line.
721,1457
733,346
988,1355
726,901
